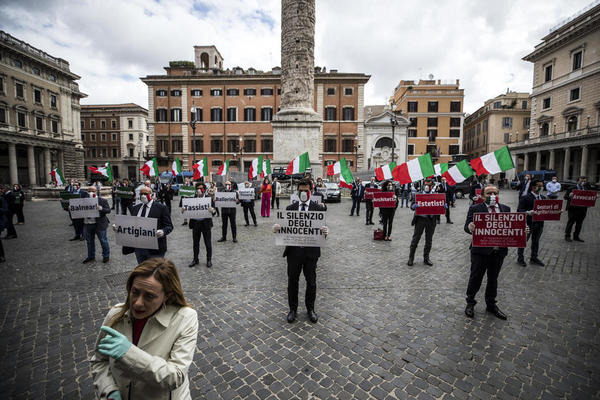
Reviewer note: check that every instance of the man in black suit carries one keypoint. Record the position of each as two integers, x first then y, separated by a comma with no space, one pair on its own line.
78,222
248,206
3,221
476,184
526,203
303,259
275,192
576,213
228,214
523,187
97,227
202,227
126,203
448,190
484,259
356,193
422,223
9,196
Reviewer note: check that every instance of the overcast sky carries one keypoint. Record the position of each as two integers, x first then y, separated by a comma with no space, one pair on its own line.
111,43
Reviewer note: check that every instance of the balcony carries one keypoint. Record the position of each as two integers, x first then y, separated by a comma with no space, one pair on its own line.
557,138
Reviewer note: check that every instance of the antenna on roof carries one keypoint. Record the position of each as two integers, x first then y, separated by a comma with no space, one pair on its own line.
430,76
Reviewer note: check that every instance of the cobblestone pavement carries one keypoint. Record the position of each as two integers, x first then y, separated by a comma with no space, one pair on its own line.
385,330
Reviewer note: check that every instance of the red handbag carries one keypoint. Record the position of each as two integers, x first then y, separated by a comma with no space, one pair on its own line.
378,234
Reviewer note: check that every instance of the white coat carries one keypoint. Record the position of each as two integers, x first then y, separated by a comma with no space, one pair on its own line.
155,369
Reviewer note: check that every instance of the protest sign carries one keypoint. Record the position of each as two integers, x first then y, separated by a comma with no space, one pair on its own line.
384,200
300,228
225,199
137,232
247,194
322,192
430,204
584,198
295,199
369,193
478,197
84,208
124,192
187,191
500,229
65,197
196,207
547,210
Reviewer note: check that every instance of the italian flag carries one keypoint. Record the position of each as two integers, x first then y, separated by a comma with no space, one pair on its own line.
266,168
255,168
346,177
414,170
440,169
105,171
58,177
223,169
150,168
458,173
493,163
334,169
298,164
200,169
385,172
176,167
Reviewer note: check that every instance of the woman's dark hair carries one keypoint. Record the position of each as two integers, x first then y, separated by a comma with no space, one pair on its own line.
200,184
385,185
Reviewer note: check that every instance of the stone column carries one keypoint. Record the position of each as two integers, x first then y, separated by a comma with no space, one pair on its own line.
567,161
61,161
31,165
47,165
584,160
526,162
12,163
552,160
538,160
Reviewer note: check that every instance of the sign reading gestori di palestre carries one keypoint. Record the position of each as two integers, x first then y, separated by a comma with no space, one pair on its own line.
247,194
84,208
137,232
300,228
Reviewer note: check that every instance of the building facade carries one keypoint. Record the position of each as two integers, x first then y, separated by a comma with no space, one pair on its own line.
115,133
380,140
232,111
39,115
565,102
435,111
497,123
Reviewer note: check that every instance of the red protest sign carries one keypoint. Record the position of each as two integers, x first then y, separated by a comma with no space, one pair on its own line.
430,204
478,198
499,230
384,200
547,210
584,198
369,193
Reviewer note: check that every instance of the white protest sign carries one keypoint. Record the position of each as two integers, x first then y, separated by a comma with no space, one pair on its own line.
225,199
84,208
196,207
295,199
137,232
247,194
300,228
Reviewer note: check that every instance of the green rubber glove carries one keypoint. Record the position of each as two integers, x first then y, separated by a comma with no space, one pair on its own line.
114,344
115,395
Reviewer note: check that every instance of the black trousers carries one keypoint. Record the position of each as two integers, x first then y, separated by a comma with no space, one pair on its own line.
369,206
250,207
274,199
125,204
308,265
479,265
228,216
423,224
1,249
198,231
78,227
19,212
575,217
447,212
355,204
535,232
10,227
387,216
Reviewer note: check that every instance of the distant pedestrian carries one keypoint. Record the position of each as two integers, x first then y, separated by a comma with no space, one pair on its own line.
96,227
388,213
552,188
19,203
265,191
422,223
202,227
248,207
577,214
228,214
357,193
276,189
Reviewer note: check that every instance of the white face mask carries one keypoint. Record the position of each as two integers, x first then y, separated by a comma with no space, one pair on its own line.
199,192
427,188
144,199
303,196
228,187
492,200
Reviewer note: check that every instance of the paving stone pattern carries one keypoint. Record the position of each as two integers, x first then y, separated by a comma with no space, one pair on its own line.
385,330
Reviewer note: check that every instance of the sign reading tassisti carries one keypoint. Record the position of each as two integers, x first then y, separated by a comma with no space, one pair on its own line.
196,207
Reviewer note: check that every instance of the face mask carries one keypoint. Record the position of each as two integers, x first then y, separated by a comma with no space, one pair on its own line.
537,189
304,196
93,195
492,200
145,198
372,182
427,188
228,187
199,192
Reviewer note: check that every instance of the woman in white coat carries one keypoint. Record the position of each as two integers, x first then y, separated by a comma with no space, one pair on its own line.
146,345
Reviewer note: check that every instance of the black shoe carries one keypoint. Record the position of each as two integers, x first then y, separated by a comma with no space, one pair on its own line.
81,238
358,215
208,263
366,223
470,310
105,259
75,238
221,240
427,261
2,259
575,239
496,311
521,262
352,215
410,262
313,317
246,224
15,236
234,240
449,222
568,239
184,223
291,317
87,260
255,224
439,222
70,224
193,263
536,261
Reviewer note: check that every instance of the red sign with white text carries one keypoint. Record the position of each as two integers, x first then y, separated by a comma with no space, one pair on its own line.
500,229
430,204
369,193
584,198
384,200
547,210
478,197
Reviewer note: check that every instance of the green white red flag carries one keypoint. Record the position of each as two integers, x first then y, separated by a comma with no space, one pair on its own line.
458,173
200,168
385,171
298,164
493,163
223,169
150,168
414,170
176,167
333,169
58,177
255,168
346,177
266,168
106,171
440,168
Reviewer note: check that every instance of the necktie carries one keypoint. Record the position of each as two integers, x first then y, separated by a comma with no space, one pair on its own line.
303,207
144,210
493,209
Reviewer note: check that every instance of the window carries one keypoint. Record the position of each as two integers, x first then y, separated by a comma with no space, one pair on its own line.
196,92
330,113
507,138
432,134
129,124
233,145
2,85
413,106
18,63
524,104
39,123
92,124
348,91
36,71
546,103
131,136
330,91
432,149
114,152
93,137
279,91
455,106
574,94
266,92
348,145
526,122
348,113
161,93
412,133
432,106
20,90
176,114
266,145
197,145
52,77
413,122
572,123
453,149
330,145
577,59
197,116
161,115
432,121
497,104
217,163
232,114
454,132
250,145
507,122
83,137
545,129
216,114
130,151
216,145
114,137
37,96
177,145
548,73
103,137
233,92
163,146
54,126
113,124
484,125
249,92
455,122
216,92
176,93
250,114
411,149
21,119
266,114
103,124
53,100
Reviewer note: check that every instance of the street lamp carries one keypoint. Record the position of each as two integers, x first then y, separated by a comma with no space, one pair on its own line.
193,125
241,155
394,123
355,153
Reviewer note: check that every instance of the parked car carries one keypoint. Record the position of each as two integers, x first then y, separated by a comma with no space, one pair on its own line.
567,185
279,173
544,175
333,192
462,189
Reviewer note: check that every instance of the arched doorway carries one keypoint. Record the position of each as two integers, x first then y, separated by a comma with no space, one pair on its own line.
384,142
204,60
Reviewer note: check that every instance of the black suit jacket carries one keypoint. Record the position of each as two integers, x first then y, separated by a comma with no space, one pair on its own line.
357,191
526,204
575,210
161,213
474,187
448,191
482,208
297,251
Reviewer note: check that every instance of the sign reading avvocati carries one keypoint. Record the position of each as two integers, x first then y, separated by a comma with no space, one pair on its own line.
500,229
300,228
584,198
84,208
137,232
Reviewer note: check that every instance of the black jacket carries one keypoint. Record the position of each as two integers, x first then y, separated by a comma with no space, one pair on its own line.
448,191
522,187
204,223
161,213
3,214
357,190
575,209
472,191
296,251
526,204
102,221
482,208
